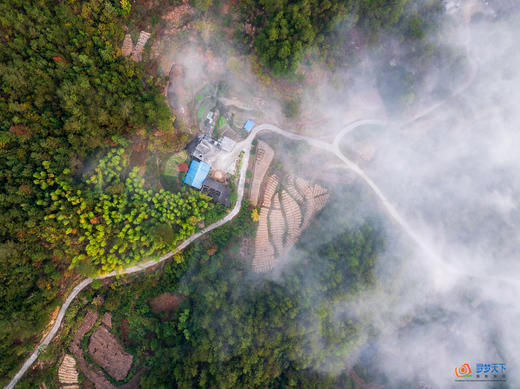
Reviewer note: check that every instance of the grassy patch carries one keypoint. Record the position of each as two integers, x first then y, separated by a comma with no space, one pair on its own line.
201,111
170,168
222,122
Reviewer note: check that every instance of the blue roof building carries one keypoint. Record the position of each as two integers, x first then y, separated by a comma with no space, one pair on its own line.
249,125
197,173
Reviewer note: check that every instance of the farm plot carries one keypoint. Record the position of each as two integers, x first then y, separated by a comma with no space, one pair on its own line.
67,372
264,251
95,375
277,225
171,168
109,354
264,156
289,210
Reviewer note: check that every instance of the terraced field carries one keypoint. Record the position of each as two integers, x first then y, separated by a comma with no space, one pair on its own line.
264,156
67,373
286,211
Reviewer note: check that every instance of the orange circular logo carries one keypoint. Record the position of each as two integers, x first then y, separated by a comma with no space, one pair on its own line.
463,371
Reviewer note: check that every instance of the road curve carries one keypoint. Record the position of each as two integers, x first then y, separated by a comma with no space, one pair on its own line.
335,150
51,334
136,268
245,146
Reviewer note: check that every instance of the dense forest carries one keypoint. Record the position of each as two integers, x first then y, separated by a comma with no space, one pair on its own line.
234,329
402,38
66,94
284,30
72,202
120,220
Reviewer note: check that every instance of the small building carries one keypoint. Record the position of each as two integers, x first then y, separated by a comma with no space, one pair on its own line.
248,126
219,192
209,117
197,174
192,145
216,153
203,148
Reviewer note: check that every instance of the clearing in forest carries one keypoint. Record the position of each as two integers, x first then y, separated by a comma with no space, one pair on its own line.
166,302
171,167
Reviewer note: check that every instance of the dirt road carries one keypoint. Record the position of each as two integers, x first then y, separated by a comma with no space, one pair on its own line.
245,146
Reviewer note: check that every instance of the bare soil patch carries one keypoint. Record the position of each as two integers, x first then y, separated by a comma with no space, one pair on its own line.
125,329
109,354
92,373
107,320
178,17
166,302
263,158
54,315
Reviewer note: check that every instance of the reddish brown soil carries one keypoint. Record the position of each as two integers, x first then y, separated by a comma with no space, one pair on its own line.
95,375
166,302
21,130
124,329
107,320
54,315
109,354
177,15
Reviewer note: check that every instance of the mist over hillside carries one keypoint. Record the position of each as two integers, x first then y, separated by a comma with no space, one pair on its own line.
393,188
453,176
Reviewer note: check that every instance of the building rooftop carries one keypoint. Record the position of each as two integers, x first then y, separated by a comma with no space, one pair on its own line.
192,145
217,153
248,126
219,192
203,148
197,174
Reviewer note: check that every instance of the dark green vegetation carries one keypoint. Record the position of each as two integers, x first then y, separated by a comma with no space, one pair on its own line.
402,38
286,29
65,94
236,330
67,98
401,74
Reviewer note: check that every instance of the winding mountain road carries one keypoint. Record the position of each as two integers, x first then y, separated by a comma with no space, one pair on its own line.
245,146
